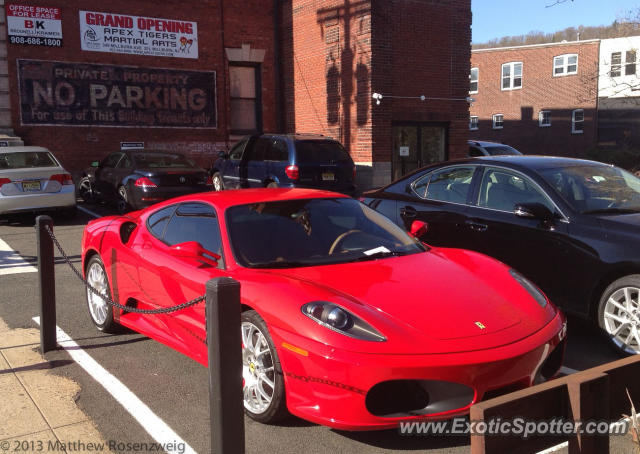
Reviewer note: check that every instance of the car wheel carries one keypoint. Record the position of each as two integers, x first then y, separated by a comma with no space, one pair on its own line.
218,185
619,314
101,313
262,380
86,190
272,184
123,200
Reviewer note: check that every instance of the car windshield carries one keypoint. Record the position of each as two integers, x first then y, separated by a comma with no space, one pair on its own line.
164,160
297,233
596,189
501,150
25,160
320,151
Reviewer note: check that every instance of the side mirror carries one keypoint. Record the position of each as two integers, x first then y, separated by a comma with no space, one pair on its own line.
533,211
194,250
95,164
418,229
223,155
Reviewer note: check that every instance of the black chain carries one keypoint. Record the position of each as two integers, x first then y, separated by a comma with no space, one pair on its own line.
108,300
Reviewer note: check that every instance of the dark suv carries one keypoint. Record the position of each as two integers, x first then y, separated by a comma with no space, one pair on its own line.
286,161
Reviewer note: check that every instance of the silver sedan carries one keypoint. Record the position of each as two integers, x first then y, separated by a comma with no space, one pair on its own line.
32,179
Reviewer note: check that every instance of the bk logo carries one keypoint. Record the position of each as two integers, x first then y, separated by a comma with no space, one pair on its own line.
38,25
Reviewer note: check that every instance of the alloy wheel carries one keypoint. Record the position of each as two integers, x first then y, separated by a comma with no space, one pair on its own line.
217,182
258,373
621,319
97,278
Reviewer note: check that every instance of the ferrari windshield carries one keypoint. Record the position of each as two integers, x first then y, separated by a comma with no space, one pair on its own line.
596,189
294,233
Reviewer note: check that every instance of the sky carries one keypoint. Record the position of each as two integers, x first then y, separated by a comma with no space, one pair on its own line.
498,18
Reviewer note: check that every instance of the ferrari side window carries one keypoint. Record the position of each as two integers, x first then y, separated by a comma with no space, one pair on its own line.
195,222
159,220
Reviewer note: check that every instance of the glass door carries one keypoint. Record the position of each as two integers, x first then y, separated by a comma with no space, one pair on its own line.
417,145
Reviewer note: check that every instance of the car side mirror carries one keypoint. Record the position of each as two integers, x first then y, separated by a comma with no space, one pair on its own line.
418,229
223,155
194,250
95,164
533,211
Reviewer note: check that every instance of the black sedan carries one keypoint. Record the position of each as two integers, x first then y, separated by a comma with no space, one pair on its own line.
571,226
137,179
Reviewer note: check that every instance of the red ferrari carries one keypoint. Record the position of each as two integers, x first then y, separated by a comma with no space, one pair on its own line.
347,320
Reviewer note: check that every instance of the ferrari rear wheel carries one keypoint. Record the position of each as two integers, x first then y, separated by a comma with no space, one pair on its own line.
619,314
101,313
262,380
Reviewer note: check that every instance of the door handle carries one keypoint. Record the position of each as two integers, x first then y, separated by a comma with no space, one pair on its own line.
408,212
477,226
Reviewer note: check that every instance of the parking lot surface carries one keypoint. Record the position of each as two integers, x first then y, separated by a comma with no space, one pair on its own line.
174,387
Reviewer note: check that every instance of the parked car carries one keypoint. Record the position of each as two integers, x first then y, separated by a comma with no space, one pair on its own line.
32,179
571,226
484,148
286,161
347,320
135,179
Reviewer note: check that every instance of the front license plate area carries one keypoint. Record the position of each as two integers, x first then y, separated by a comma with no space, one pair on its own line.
31,186
328,176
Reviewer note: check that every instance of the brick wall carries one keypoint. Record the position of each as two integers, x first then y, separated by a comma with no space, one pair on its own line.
540,91
337,53
245,22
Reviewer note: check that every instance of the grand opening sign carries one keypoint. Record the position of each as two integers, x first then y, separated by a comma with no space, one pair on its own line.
80,94
123,34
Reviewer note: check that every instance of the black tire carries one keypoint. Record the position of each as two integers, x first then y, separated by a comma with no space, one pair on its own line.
108,325
614,292
122,201
277,409
86,190
218,184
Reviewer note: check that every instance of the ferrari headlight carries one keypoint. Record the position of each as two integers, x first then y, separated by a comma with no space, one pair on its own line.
530,287
340,320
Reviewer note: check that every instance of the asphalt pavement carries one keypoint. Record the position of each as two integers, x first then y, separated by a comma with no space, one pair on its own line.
175,387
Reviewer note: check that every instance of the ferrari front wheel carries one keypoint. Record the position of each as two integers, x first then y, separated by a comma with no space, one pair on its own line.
262,380
101,313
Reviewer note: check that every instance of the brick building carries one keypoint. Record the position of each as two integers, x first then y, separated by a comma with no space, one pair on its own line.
193,76
540,99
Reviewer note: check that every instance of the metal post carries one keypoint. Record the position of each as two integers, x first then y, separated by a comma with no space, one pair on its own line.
46,278
224,341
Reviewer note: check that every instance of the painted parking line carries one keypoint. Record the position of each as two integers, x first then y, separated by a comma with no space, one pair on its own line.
89,212
13,263
150,422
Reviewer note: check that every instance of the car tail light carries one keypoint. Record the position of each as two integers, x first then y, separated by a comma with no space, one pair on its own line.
4,181
144,182
62,178
292,172
209,181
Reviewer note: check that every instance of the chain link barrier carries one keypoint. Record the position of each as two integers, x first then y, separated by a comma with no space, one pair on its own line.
107,299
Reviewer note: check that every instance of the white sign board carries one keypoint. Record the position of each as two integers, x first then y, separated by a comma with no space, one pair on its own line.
404,151
34,25
123,34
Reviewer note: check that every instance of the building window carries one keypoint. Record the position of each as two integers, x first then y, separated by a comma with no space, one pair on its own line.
498,121
544,118
616,64
577,121
245,89
512,76
630,63
564,65
473,123
473,80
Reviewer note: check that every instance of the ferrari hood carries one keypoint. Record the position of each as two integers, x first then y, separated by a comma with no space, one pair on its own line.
447,299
